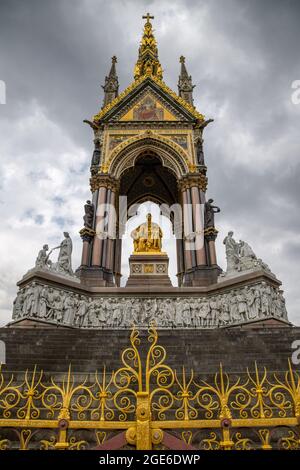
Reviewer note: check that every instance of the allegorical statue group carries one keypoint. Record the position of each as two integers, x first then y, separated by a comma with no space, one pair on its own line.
241,257
252,302
64,260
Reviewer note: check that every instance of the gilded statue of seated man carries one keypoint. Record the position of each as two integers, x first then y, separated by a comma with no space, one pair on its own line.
147,237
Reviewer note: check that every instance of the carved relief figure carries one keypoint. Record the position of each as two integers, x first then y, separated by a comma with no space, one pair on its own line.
244,304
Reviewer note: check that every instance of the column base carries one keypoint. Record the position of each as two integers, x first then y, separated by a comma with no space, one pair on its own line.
95,276
201,276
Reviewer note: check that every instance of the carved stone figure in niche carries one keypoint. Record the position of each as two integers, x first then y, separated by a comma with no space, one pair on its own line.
97,152
199,142
210,212
88,214
199,151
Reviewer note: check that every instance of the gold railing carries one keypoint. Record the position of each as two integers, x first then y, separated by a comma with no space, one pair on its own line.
147,401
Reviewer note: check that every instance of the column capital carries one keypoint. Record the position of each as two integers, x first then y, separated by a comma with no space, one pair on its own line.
211,233
87,234
198,180
103,180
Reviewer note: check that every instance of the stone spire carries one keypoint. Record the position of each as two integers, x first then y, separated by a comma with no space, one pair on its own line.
148,63
185,85
111,86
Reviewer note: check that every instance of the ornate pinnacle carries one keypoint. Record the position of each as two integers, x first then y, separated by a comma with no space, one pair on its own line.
111,86
185,85
148,63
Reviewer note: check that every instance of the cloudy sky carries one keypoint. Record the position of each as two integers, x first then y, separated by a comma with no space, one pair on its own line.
243,57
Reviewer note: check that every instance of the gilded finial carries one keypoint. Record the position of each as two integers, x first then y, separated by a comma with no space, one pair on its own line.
148,63
182,59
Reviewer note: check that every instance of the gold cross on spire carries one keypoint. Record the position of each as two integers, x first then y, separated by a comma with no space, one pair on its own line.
148,17
148,63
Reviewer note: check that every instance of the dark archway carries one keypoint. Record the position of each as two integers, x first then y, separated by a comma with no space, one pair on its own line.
149,180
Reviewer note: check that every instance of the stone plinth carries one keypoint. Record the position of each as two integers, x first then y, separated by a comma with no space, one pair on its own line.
149,269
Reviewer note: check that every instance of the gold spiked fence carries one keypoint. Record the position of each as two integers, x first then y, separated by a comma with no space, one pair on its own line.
146,404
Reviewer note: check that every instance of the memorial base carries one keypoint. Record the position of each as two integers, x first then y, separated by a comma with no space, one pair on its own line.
149,270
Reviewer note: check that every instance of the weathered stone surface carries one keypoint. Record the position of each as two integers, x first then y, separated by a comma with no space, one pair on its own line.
247,299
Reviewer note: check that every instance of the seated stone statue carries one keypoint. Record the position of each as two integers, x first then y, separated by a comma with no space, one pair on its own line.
147,237
42,260
247,257
241,257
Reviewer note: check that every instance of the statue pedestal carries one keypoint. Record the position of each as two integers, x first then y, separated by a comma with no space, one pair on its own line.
149,269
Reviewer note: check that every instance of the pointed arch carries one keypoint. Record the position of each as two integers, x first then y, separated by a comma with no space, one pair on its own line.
171,154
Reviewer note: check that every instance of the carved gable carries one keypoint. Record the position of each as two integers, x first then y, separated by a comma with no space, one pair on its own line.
148,99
